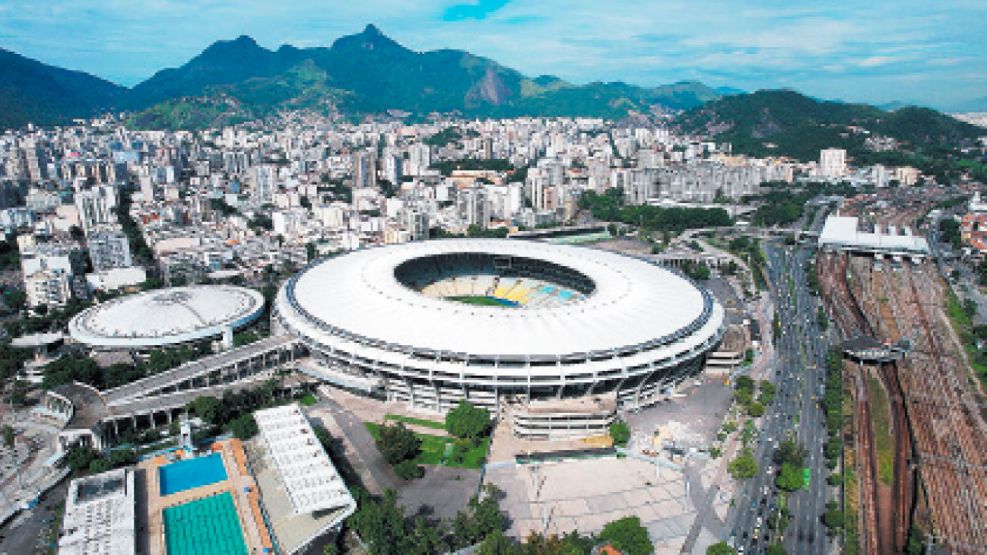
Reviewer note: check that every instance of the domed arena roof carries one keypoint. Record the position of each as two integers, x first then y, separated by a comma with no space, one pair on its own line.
166,316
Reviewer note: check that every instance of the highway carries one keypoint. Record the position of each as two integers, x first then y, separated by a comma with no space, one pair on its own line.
799,374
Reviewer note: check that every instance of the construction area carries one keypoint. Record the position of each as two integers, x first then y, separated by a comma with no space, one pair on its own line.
916,427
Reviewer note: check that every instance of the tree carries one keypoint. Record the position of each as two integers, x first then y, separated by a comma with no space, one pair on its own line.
833,517
207,408
755,409
789,477
721,548
774,549
408,470
481,518
498,543
620,432
8,437
72,369
628,535
696,270
397,443
467,422
243,427
767,392
744,466
79,458
381,524
791,452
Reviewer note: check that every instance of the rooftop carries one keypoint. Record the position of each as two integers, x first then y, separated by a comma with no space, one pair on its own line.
303,493
844,232
633,303
166,316
99,515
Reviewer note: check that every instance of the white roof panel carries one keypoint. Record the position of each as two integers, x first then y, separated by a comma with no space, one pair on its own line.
166,316
634,302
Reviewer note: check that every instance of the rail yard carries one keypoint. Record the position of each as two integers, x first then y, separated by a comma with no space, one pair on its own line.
931,474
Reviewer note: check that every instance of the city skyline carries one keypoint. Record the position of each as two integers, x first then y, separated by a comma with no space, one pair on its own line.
858,52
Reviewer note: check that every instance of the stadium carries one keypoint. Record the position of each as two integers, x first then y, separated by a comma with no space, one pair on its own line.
167,317
499,322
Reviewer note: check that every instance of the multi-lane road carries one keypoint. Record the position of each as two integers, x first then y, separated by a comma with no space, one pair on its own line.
799,374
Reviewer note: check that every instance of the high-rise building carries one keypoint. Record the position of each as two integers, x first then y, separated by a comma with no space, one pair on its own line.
419,158
474,206
393,170
416,223
364,169
97,206
264,183
109,250
832,163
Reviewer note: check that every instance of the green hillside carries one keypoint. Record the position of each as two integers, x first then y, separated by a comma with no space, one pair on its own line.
782,122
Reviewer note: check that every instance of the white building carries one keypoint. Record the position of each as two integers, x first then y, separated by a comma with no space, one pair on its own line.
99,515
48,287
832,163
474,207
302,490
116,278
97,206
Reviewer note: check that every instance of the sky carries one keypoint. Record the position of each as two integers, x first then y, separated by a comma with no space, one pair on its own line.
925,52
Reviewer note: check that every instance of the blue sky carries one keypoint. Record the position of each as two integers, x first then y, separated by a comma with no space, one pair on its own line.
932,53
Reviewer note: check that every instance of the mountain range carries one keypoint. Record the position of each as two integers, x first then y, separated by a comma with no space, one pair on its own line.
358,74
367,73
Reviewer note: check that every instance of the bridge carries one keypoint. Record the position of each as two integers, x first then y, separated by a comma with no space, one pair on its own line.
867,349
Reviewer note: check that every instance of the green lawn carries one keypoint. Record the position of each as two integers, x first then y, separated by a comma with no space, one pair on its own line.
434,449
308,400
482,300
416,421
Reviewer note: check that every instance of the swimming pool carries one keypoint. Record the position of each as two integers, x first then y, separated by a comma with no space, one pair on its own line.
207,526
191,473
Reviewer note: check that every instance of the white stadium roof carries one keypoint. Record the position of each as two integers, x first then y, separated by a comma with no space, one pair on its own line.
166,316
633,303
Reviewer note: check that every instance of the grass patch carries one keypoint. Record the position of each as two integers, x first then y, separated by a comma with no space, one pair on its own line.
850,526
881,423
436,450
482,300
416,421
308,400
963,326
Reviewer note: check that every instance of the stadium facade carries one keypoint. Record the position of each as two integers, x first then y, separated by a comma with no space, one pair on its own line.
499,322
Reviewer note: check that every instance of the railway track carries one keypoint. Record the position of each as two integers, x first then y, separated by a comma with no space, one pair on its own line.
948,435
867,472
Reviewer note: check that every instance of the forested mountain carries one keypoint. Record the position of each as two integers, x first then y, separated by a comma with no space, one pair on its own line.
31,91
784,122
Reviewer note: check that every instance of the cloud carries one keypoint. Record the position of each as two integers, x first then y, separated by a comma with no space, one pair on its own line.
479,9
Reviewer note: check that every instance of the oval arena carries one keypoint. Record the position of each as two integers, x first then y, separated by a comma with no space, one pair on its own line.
501,323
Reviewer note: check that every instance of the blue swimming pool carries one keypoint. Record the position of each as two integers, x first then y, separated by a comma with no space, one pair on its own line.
191,473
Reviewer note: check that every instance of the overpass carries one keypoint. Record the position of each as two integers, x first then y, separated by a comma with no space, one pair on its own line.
228,366
96,418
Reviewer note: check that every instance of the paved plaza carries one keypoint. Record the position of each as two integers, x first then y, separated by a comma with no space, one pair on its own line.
586,494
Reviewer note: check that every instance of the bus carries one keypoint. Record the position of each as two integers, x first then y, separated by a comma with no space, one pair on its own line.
806,477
